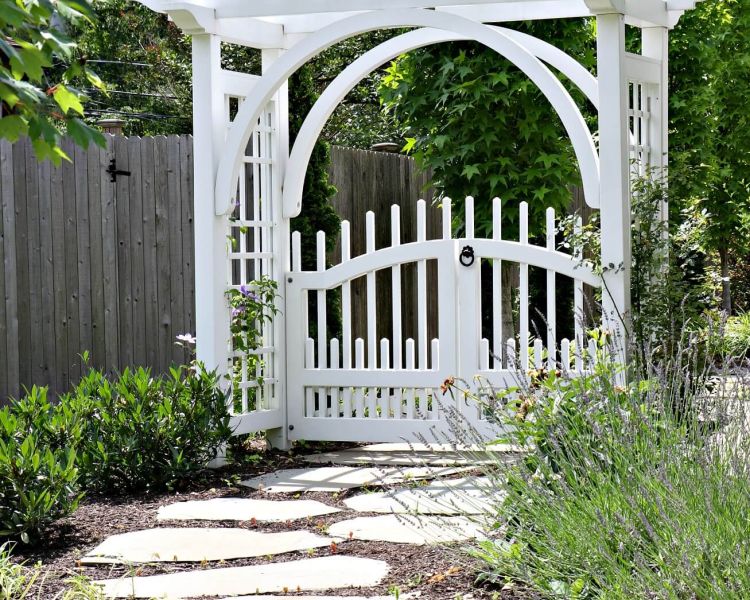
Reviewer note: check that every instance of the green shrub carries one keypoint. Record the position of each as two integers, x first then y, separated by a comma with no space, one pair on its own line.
146,433
38,474
737,336
621,496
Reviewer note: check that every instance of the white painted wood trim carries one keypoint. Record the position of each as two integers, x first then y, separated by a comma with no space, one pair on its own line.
250,110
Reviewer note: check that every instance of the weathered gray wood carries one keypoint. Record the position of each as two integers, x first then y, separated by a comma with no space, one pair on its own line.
186,198
68,265
22,267
58,363
163,262
176,295
47,338
33,255
124,312
83,256
3,296
109,260
97,160
149,248
135,183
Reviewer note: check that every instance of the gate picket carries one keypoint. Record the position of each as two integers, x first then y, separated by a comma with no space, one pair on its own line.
390,393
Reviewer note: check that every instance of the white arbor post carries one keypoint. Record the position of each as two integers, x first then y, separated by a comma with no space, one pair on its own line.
614,174
655,45
279,437
211,308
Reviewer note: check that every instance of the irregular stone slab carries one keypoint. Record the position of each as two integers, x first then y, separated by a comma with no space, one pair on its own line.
192,544
428,500
314,574
333,479
401,597
417,454
244,509
477,484
403,529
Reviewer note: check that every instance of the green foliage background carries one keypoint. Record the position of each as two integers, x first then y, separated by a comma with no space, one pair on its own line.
483,128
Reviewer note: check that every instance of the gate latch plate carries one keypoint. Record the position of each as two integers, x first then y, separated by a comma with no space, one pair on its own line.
466,258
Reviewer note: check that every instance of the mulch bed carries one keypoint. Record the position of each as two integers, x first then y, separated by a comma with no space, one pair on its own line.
439,573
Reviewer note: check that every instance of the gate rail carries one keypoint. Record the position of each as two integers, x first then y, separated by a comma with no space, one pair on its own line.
366,389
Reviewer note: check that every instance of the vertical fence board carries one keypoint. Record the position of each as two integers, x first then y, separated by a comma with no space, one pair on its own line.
4,267
96,160
59,369
10,272
138,281
22,267
124,250
68,264
34,298
175,272
186,199
109,260
83,252
163,266
149,251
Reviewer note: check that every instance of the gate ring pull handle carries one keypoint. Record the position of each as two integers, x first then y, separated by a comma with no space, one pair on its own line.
466,258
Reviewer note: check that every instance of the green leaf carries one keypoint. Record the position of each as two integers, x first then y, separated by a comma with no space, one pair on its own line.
12,127
470,170
67,100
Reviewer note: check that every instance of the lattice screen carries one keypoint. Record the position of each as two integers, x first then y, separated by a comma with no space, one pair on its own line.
251,257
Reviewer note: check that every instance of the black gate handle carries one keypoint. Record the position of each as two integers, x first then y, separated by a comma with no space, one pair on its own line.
466,258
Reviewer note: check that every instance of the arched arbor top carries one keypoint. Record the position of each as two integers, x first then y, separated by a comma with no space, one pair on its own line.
504,44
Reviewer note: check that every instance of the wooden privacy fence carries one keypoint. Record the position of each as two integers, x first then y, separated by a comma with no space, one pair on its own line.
92,264
91,261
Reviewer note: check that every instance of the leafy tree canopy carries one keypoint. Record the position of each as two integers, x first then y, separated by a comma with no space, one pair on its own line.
710,141
39,71
482,127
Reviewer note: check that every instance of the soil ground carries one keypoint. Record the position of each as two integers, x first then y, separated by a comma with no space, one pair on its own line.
438,572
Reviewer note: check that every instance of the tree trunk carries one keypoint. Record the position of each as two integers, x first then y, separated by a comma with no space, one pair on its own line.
726,293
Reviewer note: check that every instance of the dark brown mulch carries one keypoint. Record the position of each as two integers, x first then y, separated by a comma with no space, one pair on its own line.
439,573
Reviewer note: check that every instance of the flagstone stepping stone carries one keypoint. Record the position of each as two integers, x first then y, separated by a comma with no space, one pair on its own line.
403,529
416,454
401,597
333,479
308,575
193,544
478,484
428,500
244,509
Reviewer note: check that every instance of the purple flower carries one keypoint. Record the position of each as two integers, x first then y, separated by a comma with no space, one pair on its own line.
238,311
248,293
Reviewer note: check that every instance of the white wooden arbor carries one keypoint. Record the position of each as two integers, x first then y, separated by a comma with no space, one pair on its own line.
244,167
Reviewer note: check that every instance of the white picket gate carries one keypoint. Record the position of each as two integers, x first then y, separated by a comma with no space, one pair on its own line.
367,389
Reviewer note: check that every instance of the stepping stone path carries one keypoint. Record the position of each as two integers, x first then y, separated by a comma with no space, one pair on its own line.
244,509
432,510
416,455
428,500
198,544
334,479
402,529
311,574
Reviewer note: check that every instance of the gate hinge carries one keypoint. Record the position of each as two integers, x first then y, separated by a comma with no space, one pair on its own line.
114,171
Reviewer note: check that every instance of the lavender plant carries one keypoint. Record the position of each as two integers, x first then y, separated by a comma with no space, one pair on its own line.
624,491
